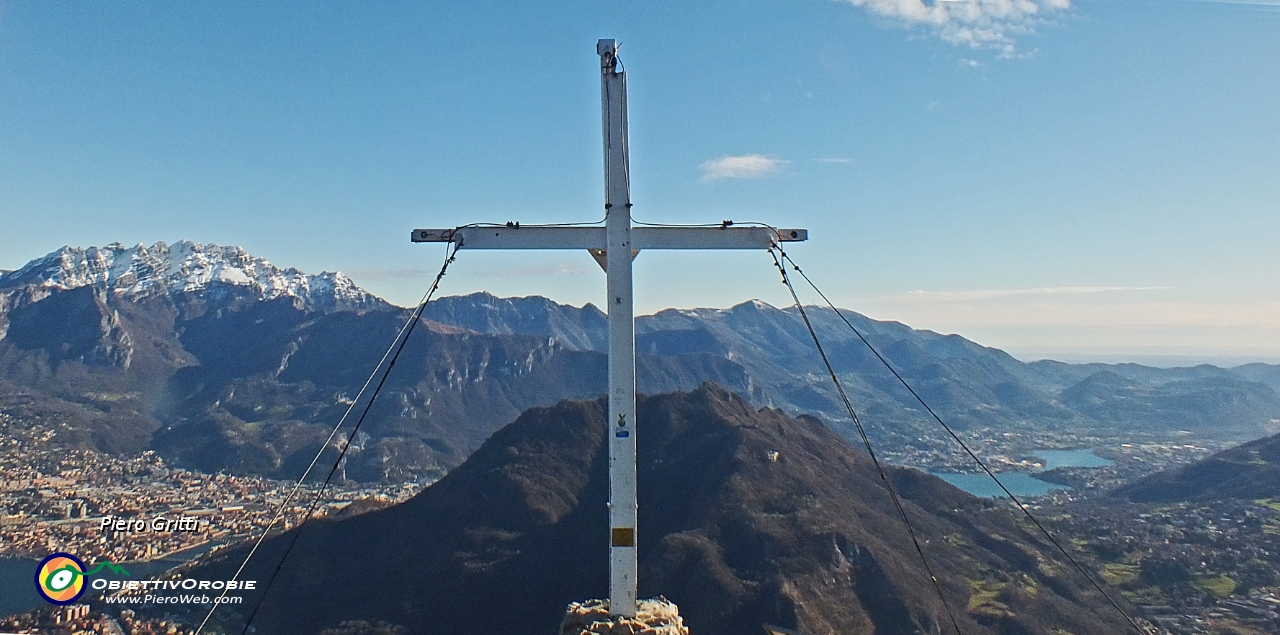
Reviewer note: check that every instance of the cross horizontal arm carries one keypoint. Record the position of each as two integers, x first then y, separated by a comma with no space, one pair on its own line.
713,237
594,237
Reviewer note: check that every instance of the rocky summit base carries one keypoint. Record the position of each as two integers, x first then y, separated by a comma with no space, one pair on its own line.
653,617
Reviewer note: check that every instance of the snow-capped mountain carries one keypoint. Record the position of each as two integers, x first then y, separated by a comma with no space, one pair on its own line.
187,268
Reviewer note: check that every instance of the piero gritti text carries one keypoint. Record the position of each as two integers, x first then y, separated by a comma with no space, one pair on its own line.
159,524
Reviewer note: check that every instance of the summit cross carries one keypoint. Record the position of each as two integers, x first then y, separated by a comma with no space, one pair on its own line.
614,246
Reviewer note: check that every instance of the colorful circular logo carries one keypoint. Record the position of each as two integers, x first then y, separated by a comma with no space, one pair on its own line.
60,578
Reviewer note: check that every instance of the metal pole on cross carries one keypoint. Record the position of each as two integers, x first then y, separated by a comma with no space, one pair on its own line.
614,246
623,559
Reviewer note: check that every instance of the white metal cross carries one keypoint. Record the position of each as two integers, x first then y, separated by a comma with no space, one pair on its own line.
614,246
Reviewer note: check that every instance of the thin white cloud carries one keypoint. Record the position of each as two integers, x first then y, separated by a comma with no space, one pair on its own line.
513,272
1075,307
990,294
746,166
534,272
388,274
1256,3
974,23
1103,315
835,160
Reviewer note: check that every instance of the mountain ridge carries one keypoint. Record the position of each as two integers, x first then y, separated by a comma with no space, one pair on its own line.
220,376
186,268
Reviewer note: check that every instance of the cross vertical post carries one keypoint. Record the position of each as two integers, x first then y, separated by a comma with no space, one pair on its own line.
621,436
614,246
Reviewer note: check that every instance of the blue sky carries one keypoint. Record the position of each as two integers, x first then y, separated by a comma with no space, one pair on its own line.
1083,180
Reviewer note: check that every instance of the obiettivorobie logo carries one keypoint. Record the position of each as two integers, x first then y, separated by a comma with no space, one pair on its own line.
60,577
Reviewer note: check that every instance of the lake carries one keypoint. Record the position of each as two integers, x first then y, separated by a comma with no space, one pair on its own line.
1083,457
1022,483
17,586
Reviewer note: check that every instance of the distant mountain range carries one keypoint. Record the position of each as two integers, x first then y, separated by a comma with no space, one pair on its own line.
747,517
222,361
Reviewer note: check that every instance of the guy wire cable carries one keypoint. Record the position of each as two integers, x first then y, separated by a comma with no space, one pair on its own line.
298,486
983,465
416,317
518,225
866,441
401,338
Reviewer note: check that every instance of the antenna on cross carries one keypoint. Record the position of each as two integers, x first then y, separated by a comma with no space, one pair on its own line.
618,243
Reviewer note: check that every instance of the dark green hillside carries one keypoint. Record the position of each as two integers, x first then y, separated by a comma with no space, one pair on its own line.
1218,405
1268,374
1249,472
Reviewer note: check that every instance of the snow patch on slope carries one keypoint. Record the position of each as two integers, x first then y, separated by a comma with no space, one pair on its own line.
187,268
